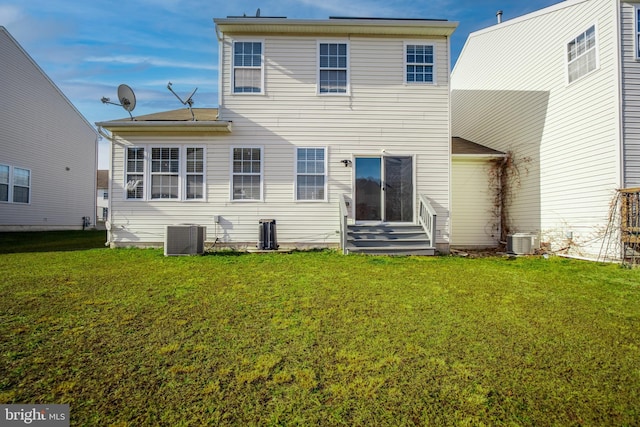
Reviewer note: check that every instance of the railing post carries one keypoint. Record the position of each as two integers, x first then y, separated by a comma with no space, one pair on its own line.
427,218
344,214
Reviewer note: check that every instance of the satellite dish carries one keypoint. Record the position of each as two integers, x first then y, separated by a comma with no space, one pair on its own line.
188,102
126,97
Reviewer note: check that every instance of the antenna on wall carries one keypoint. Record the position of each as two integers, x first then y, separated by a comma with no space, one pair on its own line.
126,97
188,102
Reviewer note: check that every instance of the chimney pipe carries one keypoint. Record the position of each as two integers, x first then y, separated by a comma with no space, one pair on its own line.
499,16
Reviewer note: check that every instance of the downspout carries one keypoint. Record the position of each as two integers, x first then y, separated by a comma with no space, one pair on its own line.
108,220
220,38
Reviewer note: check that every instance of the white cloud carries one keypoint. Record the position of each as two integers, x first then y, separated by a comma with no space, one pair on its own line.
351,8
146,60
9,14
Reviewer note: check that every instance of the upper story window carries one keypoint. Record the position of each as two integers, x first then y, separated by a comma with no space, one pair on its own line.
333,74
247,173
419,61
247,67
581,54
311,179
174,173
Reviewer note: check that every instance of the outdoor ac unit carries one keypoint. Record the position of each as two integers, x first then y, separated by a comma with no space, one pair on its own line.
522,243
184,240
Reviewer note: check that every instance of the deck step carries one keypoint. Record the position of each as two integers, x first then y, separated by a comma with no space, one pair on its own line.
388,240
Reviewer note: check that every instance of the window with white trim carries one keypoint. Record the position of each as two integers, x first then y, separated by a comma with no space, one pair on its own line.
247,173
333,75
15,184
172,173
195,173
581,54
4,183
134,180
247,67
311,179
419,62
165,172
21,185
637,31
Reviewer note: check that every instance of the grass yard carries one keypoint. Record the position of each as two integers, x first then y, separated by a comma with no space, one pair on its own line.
128,337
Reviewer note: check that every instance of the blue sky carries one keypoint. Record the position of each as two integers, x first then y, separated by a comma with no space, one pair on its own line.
89,47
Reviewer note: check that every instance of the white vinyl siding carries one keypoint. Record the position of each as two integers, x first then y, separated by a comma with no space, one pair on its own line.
247,173
474,218
333,68
419,63
311,179
248,70
382,114
631,94
582,55
563,138
44,134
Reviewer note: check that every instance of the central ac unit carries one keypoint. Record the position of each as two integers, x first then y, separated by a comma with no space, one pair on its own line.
185,239
522,243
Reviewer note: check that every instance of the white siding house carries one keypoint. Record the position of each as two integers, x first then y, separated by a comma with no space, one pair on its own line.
102,196
311,113
48,151
557,90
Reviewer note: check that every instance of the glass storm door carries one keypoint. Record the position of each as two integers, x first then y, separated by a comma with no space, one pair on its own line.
384,189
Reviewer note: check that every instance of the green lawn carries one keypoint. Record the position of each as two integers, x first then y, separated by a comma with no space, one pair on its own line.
128,337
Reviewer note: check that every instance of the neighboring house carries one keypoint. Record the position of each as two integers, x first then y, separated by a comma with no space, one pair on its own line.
558,90
320,123
102,195
48,151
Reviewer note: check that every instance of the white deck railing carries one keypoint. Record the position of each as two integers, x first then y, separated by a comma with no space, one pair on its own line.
427,218
344,216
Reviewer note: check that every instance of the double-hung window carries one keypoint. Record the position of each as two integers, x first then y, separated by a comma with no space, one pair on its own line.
246,173
419,63
195,173
581,54
637,32
15,184
134,180
165,172
172,173
21,185
247,67
311,179
333,73
4,183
